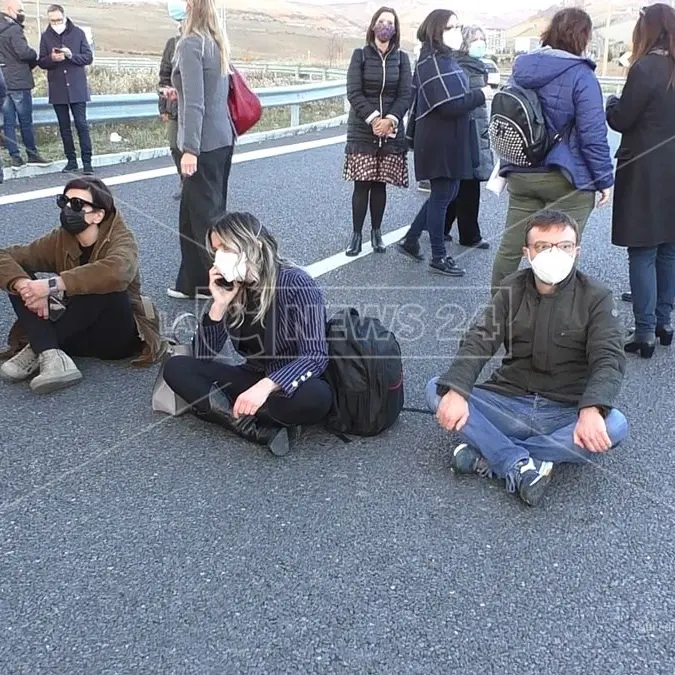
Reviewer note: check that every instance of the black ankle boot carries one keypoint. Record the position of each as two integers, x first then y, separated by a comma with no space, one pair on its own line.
355,245
643,348
376,241
251,428
665,335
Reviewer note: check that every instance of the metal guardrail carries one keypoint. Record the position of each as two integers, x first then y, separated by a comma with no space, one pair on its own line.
299,72
124,107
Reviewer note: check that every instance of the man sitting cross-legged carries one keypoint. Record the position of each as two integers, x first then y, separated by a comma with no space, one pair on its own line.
552,399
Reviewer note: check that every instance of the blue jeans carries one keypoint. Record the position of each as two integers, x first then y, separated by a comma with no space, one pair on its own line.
431,216
508,429
652,283
19,104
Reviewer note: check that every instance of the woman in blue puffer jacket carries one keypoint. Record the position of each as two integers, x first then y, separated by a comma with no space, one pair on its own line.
579,165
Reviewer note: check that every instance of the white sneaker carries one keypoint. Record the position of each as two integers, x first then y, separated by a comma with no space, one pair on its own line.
21,366
57,371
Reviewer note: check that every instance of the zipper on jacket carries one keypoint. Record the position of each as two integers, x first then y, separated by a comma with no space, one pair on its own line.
384,81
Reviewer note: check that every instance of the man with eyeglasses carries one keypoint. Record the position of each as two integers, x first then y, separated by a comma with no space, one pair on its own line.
553,398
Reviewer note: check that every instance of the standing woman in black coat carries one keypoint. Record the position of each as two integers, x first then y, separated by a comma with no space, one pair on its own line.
439,131
644,199
466,207
378,89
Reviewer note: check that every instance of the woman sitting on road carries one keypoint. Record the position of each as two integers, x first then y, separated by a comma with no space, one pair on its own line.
378,89
439,131
275,315
91,306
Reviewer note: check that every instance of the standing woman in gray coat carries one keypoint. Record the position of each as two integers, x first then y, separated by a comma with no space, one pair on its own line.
467,205
205,139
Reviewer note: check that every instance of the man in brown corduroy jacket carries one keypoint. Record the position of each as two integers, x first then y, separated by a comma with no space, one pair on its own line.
91,307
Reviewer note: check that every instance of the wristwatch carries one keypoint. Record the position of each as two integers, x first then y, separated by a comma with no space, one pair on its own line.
53,288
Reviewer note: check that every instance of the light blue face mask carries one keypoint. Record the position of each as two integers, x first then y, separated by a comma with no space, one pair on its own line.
177,9
477,49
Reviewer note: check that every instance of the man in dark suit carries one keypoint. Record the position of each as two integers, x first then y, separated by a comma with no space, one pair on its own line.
64,54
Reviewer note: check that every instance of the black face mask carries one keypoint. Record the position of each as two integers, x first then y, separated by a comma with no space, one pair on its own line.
20,18
73,222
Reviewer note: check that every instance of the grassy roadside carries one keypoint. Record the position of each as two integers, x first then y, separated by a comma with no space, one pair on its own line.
152,133
110,81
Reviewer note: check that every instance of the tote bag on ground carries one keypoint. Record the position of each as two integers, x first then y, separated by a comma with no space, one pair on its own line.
164,399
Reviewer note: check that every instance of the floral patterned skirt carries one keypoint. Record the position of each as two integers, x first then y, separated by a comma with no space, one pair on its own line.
391,168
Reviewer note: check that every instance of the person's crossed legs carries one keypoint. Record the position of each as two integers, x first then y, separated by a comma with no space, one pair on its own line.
519,439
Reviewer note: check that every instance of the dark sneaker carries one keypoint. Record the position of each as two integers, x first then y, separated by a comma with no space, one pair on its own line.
529,478
88,169
70,167
467,460
447,267
410,250
17,162
38,160
481,243
424,186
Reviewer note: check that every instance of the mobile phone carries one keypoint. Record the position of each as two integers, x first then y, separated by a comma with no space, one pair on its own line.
224,283
56,308
58,50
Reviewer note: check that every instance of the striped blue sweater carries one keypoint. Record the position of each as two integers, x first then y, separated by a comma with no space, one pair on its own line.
296,348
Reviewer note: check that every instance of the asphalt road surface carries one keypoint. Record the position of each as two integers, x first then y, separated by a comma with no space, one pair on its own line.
131,542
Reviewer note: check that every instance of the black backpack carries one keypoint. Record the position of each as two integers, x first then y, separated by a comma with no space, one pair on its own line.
517,129
365,372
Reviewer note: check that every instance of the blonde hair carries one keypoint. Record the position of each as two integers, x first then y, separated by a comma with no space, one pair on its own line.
243,233
202,19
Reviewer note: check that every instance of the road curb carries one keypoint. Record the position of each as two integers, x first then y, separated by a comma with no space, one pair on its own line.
112,159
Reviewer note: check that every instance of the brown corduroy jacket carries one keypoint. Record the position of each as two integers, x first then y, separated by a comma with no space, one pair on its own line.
113,267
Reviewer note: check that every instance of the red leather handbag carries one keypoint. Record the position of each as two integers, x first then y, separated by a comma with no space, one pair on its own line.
245,107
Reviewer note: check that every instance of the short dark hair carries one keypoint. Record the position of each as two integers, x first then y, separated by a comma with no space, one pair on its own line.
432,28
551,220
55,8
100,192
370,34
570,30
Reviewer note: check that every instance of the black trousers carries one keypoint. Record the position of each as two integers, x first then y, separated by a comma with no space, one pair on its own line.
79,111
192,379
98,326
172,135
204,196
465,210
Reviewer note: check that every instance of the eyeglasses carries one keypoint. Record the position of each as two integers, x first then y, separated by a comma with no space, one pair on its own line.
75,203
564,246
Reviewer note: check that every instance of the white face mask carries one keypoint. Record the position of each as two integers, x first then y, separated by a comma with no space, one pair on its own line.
59,28
552,266
231,265
453,38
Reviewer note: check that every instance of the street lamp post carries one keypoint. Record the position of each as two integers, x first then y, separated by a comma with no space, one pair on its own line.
605,56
